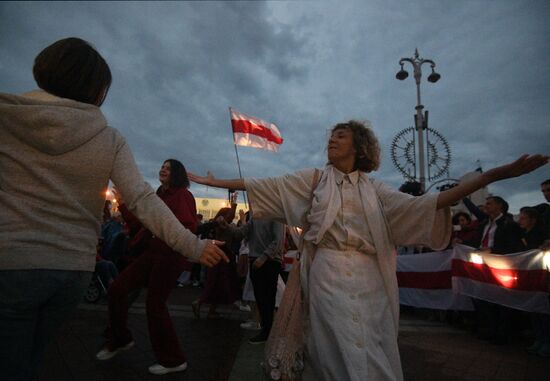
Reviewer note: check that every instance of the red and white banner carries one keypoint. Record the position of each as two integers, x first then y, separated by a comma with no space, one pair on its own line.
447,279
253,132
425,281
518,280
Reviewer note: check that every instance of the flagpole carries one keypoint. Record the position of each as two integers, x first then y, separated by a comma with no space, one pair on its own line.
238,161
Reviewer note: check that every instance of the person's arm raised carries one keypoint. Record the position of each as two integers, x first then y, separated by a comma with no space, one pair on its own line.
521,166
209,180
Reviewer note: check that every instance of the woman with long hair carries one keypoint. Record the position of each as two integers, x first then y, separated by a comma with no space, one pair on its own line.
158,269
57,154
348,258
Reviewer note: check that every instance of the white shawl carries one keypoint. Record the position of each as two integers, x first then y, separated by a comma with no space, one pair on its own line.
395,218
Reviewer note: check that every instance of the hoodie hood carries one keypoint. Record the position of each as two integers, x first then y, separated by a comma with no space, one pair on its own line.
48,123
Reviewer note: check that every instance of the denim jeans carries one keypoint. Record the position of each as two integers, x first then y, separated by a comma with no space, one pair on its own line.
33,306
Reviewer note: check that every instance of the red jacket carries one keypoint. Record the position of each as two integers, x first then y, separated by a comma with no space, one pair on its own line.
181,202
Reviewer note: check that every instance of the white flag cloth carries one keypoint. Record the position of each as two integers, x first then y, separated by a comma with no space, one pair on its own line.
253,132
518,280
425,282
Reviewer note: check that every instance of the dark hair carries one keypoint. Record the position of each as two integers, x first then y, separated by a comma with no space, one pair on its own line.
542,208
499,200
547,182
531,213
366,145
178,174
461,214
411,187
71,68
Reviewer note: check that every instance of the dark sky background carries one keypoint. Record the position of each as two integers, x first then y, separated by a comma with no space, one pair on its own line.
305,66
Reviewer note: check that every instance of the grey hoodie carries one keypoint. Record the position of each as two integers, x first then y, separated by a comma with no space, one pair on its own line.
56,159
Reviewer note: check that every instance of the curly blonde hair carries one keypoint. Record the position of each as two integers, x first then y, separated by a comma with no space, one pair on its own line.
365,143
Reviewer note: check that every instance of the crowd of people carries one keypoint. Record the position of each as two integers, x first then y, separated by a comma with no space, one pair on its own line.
53,200
490,228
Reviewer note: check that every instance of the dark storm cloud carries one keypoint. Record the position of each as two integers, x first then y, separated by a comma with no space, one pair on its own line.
305,66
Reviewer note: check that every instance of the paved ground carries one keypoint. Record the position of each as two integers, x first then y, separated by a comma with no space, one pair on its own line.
218,350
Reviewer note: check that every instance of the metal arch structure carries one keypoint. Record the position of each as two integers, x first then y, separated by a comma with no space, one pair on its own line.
402,145
438,154
404,155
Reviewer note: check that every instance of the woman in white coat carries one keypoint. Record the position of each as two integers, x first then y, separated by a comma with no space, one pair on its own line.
349,251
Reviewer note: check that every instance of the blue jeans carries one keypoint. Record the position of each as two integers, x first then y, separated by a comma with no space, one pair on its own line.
33,306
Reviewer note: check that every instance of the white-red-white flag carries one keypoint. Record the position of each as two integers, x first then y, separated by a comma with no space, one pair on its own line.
425,281
518,280
253,132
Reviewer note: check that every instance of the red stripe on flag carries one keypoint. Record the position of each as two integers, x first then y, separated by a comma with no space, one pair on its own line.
523,280
246,127
427,280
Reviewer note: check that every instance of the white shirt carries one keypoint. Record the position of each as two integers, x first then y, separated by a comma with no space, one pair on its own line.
490,229
350,230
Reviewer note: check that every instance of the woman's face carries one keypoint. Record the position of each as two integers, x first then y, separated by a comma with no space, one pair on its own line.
526,222
340,146
164,173
463,221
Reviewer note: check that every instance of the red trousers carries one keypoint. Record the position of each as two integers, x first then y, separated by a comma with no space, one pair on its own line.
158,272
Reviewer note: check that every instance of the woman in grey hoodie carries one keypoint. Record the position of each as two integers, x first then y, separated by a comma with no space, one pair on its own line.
57,155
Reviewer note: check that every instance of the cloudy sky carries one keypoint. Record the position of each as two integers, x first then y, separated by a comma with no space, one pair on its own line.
305,66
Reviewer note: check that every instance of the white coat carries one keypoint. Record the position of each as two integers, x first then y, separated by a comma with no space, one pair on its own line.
394,218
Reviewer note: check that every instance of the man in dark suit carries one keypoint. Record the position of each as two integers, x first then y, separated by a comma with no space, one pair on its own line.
500,234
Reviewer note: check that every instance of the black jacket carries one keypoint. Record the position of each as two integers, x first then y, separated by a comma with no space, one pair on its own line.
507,236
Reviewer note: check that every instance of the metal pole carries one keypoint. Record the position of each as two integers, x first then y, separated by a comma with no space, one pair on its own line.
420,118
238,164
420,129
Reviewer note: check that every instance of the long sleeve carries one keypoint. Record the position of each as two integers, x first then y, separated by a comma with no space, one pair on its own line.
274,249
151,211
284,199
239,232
472,208
131,221
415,220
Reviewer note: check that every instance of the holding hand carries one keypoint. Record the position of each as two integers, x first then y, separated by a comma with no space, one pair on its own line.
212,254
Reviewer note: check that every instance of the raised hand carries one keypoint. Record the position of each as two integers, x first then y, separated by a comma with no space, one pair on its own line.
211,181
234,197
204,180
523,165
212,254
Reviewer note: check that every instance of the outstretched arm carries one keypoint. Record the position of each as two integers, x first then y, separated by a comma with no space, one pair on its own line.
521,166
209,180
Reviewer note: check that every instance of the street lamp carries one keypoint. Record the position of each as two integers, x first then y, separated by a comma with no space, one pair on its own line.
421,120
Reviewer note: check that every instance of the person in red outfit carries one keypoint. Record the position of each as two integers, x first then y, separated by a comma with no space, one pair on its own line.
158,268
465,230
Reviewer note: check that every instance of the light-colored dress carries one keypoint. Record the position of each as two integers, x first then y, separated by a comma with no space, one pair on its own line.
351,286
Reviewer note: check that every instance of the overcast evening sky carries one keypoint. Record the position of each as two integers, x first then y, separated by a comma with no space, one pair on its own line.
305,66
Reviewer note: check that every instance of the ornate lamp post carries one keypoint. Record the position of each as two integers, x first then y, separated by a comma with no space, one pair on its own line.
421,118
